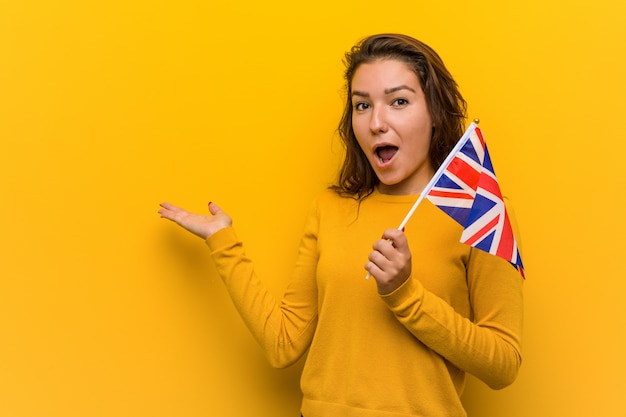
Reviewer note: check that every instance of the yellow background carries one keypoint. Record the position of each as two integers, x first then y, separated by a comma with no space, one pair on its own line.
108,108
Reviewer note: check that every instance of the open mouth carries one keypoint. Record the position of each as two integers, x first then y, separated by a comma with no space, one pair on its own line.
386,153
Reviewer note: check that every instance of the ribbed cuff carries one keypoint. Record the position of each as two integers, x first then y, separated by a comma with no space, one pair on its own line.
222,239
411,291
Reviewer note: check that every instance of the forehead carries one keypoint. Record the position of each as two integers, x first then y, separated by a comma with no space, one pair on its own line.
386,73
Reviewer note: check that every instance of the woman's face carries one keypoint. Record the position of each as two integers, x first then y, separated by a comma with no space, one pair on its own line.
392,124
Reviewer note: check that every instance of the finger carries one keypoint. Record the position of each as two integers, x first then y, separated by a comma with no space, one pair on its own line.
373,269
171,212
172,215
214,208
171,207
386,247
379,259
397,237
166,213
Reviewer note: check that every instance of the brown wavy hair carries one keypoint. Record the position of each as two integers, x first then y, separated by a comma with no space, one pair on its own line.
447,107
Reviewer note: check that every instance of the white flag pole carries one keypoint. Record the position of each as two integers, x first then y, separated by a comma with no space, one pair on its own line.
437,175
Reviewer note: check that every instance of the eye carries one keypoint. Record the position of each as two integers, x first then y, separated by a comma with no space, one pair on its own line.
360,106
400,102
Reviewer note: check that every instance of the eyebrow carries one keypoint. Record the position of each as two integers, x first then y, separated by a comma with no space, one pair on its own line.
387,91
398,88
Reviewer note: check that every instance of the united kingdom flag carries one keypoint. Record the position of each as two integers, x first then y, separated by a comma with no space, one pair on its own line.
468,191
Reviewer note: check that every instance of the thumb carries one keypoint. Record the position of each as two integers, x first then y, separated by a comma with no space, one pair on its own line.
214,208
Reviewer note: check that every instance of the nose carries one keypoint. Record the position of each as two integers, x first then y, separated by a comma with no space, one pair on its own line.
378,120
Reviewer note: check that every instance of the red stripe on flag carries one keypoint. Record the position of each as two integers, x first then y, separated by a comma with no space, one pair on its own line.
464,171
481,233
451,194
490,184
506,246
480,136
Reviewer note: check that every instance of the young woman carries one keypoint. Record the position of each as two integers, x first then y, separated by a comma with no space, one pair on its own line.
398,344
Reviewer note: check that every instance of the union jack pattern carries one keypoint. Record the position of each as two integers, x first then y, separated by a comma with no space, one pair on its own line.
468,191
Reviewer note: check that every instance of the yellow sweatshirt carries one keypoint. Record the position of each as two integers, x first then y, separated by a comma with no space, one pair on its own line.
401,354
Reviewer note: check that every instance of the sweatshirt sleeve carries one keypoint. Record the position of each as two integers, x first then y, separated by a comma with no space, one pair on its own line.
284,328
488,346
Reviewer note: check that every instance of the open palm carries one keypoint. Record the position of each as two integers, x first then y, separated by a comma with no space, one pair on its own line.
198,224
